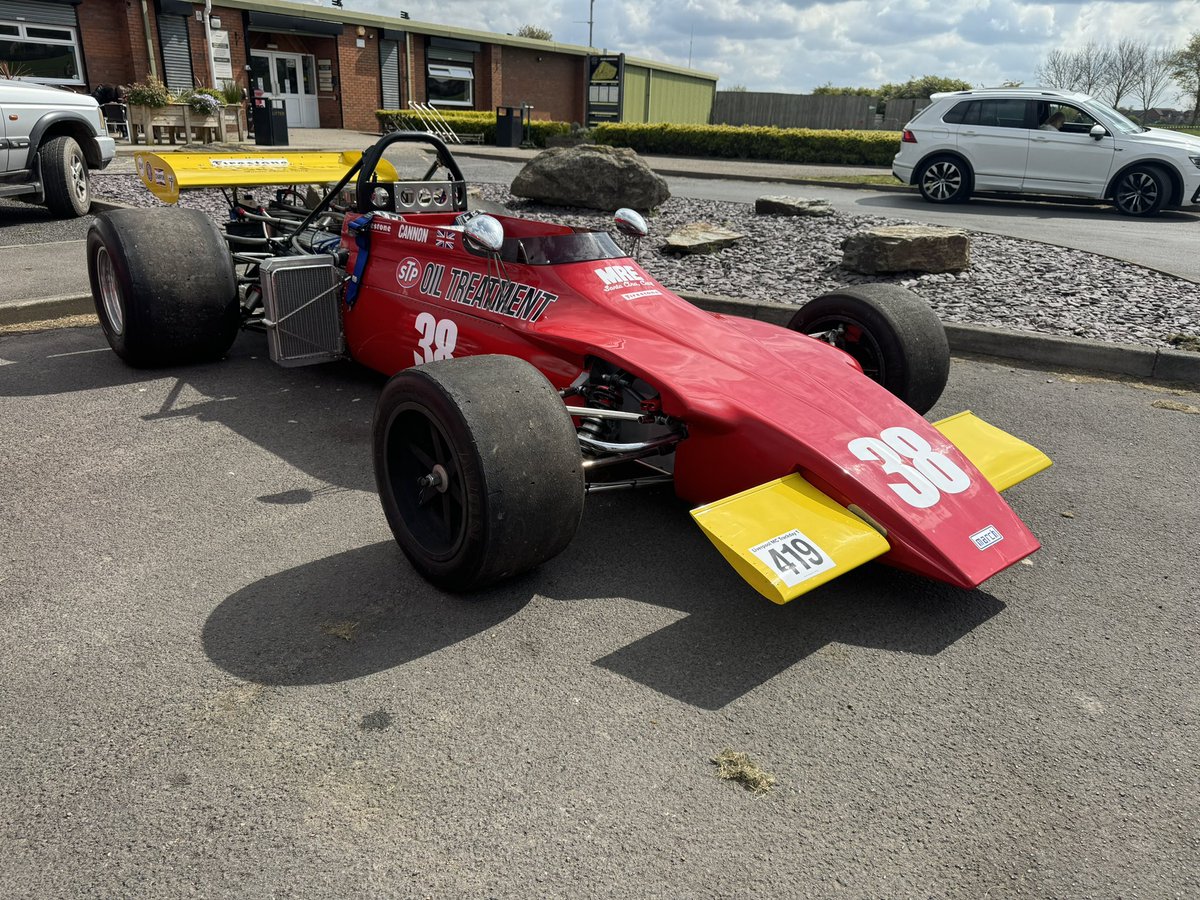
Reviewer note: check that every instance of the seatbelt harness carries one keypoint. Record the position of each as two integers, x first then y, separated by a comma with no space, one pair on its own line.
362,239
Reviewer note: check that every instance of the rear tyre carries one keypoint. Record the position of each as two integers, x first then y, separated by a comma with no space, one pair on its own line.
944,179
65,179
893,334
1142,191
163,285
478,469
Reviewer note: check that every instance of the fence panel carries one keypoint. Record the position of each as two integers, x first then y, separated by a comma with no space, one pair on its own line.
792,110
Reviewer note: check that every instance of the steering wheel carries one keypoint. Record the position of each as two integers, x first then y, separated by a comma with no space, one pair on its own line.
374,153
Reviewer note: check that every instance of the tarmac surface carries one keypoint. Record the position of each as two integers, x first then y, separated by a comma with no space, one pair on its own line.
43,282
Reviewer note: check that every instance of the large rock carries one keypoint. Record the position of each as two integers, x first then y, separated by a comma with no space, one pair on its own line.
592,176
791,206
907,248
700,237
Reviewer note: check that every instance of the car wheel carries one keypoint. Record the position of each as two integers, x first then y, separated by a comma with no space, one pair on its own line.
892,333
65,177
1142,191
163,285
478,469
944,179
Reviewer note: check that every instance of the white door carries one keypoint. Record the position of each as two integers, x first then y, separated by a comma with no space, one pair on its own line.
995,139
1069,160
293,80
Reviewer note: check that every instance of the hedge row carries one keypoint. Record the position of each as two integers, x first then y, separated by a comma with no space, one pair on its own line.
468,122
798,145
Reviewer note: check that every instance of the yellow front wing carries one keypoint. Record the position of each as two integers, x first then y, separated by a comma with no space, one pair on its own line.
757,532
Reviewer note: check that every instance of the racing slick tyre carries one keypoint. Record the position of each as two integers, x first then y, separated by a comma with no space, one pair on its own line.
163,285
893,334
1142,191
65,177
478,468
944,179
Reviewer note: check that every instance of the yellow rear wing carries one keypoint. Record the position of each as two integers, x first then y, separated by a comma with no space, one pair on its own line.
167,175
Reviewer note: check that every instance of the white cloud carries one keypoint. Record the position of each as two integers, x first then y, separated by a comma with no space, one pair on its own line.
795,45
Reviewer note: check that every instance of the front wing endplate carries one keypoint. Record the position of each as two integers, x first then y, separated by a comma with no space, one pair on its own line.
1002,459
785,537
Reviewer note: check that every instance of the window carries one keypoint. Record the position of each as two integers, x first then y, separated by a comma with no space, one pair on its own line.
1002,113
1075,120
957,114
450,85
44,53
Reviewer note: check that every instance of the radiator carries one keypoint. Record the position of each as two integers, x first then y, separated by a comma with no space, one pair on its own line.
302,296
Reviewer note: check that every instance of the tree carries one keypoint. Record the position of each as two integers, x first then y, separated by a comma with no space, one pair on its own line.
830,90
1154,77
922,88
1127,62
1185,69
533,31
1057,70
1093,68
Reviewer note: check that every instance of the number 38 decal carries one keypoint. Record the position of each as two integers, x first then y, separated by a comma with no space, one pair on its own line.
438,337
927,475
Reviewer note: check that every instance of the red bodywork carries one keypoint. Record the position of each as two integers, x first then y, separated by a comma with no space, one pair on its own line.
760,402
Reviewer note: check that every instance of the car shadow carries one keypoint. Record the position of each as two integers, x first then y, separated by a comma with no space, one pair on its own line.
365,610
1042,208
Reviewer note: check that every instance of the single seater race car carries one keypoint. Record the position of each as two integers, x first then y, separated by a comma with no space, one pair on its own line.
531,363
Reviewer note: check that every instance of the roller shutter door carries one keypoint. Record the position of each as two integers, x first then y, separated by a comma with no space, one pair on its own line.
42,13
389,71
177,53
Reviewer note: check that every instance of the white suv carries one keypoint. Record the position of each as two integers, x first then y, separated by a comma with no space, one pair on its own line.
1043,141
49,139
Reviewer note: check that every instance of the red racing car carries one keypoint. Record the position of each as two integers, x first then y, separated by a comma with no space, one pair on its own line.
531,363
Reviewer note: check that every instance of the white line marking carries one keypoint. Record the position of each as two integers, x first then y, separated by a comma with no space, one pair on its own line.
76,353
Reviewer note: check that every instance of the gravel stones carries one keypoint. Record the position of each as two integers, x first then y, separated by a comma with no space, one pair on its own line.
1013,284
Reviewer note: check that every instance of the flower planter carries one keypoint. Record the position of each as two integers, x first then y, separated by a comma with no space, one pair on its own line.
179,121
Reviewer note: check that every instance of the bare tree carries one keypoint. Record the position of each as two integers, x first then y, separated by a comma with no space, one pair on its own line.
1127,60
1154,78
1093,68
1057,70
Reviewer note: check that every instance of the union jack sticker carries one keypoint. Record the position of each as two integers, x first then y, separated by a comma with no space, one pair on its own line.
444,239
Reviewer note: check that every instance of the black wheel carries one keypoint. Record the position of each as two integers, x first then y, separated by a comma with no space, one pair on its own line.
478,469
163,285
1142,191
944,179
892,333
65,177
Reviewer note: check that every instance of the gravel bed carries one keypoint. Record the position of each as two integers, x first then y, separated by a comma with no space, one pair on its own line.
1012,283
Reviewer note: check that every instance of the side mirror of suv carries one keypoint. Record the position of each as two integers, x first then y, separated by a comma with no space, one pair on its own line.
1097,132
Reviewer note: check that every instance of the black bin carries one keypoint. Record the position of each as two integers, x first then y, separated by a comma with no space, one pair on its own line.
270,122
509,127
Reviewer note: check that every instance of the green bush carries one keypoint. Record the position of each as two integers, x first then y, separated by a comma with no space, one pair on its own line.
468,122
151,92
798,145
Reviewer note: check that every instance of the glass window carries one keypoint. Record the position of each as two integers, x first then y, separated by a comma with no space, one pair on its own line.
1002,113
955,116
450,85
38,53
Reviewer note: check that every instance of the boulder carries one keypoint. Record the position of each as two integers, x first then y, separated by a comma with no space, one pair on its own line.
592,176
791,206
700,237
907,248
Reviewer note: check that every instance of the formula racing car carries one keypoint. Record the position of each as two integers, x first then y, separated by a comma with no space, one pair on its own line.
531,363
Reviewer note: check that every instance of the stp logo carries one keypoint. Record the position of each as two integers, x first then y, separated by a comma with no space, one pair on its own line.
408,272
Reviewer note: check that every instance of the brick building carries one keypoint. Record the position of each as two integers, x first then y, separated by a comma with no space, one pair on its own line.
332,67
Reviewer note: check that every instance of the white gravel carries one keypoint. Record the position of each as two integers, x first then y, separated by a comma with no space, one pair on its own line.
1012,283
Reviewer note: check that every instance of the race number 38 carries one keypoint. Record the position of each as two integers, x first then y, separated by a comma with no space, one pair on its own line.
927,475
793,557
438,338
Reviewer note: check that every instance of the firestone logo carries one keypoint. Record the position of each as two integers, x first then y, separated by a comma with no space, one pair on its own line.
408,272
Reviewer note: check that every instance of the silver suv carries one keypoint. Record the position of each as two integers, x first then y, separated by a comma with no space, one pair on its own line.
1043,141
49,139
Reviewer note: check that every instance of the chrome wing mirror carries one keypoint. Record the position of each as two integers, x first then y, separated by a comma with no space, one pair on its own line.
485,232
631,224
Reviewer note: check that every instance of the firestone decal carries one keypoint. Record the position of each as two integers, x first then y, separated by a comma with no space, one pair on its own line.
485,292
273,162
636,294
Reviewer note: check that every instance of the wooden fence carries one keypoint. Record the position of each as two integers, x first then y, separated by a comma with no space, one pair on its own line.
810,110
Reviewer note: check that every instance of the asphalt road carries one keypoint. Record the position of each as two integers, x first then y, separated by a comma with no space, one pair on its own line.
219,677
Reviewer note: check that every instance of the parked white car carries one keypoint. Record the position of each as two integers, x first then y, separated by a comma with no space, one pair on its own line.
1043,141
49,139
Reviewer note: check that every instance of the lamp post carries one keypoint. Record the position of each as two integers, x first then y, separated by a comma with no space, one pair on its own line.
591,20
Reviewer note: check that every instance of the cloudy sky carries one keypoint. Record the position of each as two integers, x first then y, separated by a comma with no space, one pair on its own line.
796,45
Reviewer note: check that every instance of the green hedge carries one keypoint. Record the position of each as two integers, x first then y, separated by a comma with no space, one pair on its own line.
798,145
468,122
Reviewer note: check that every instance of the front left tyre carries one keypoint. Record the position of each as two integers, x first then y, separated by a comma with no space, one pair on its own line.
1141,191
478,468
65,180
163,284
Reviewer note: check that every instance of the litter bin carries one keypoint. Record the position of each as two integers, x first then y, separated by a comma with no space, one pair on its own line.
270,122
509,126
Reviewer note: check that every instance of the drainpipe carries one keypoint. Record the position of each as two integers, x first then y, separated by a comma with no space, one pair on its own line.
408,65
212,65
149,40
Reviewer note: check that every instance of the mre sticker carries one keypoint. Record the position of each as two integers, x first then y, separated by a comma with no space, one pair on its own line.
793,557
